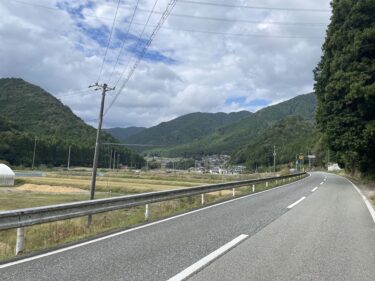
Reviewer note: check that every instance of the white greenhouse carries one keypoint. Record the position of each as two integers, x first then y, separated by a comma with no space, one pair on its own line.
6,175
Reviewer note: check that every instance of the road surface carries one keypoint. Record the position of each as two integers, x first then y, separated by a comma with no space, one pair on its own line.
288,233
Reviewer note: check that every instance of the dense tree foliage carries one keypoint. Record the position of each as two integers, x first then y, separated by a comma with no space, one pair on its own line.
28,112
291,136
345,85
230,138
186,128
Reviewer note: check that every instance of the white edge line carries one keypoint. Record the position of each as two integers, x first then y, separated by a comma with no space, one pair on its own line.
138,227
314,189
207,259
321,183
368,204
297,202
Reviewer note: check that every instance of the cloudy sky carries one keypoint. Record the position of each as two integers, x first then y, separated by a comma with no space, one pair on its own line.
209,56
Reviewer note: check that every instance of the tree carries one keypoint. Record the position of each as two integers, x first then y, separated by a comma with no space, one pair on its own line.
344,84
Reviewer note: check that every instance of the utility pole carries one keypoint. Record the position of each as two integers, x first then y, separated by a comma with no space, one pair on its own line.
118,160
274,159
32,165
114,160
104,89
69,157
110,159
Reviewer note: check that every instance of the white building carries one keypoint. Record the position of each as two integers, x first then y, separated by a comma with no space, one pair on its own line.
6,175
333,167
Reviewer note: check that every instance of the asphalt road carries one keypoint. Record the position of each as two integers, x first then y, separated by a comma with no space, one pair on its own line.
328,236
332,219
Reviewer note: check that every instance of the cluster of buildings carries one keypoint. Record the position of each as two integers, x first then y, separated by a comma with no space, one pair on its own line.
217,164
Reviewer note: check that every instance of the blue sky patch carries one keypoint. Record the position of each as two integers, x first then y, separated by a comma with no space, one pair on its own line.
242,101
133,44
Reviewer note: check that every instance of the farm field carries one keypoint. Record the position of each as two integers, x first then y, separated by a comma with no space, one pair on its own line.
61,187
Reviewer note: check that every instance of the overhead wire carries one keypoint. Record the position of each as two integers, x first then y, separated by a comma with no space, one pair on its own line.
309,24
243,34
240,20
162,19
124,41
109,41
225,5
138,42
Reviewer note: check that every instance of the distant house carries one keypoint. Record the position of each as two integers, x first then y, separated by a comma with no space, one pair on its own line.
6,175
333,167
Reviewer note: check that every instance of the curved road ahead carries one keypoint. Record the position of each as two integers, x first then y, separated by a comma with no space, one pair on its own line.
318,228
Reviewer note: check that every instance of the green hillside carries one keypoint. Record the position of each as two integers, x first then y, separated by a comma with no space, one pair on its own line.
186,129
122,134
291,136
28,112
35,110
232,137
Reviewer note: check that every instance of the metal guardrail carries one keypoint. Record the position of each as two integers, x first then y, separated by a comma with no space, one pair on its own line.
31,216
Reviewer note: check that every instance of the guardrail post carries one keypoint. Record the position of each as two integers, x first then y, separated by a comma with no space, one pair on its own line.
20,240
266,183
147,212
234,192
202,198
253,188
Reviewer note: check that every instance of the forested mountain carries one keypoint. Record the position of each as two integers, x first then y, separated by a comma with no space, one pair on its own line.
345,85
122,134
28,112
291,136
232,137
186,128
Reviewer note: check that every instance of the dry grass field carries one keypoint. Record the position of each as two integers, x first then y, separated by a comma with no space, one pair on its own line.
62,187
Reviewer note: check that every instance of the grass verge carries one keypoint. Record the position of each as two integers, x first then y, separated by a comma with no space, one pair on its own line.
45,236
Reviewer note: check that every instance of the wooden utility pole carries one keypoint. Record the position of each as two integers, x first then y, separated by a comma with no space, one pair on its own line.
69,157
110,159
274,159
32,165
104,89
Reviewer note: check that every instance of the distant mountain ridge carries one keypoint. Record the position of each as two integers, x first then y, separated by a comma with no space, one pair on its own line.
122,134
230,138
186,128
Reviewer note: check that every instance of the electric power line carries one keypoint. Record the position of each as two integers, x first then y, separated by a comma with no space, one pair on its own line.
307,24
123,43
109,41
310,24
252,7
138,42
243,34
163,18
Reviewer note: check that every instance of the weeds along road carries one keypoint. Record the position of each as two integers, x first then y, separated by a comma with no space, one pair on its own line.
315,229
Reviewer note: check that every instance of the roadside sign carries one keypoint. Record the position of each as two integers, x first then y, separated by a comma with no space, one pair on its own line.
301,157
311,156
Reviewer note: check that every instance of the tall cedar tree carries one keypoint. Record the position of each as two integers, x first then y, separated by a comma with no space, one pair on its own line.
344,84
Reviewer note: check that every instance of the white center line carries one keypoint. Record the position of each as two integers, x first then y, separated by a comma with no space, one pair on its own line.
314,189
295,203
207,259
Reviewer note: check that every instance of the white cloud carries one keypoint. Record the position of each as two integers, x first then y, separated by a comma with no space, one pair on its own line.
62,53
